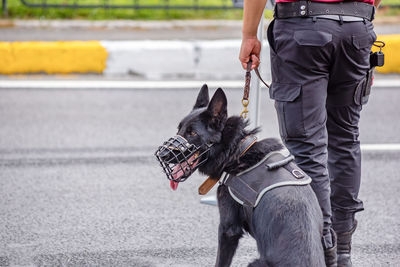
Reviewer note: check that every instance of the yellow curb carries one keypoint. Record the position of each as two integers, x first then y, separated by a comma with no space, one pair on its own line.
52,57
392,53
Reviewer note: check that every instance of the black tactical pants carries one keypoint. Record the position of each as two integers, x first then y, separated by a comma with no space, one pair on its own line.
317,64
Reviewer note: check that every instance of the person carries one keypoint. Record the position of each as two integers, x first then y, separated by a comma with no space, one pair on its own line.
321,77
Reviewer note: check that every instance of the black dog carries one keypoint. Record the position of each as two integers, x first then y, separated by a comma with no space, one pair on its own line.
286,223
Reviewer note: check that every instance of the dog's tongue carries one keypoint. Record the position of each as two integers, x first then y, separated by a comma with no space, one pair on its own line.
174,185
179,170
177,173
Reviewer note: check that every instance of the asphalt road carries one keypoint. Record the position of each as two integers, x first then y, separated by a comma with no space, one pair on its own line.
79,185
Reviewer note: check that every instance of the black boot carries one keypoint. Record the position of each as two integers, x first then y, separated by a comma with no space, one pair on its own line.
331,252
344,247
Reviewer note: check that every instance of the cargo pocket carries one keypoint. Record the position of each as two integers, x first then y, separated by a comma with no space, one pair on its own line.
289,107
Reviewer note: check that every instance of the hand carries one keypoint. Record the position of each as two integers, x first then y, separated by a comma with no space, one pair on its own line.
250,49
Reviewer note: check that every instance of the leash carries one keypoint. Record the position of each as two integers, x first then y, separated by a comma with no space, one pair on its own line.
249,141
246,91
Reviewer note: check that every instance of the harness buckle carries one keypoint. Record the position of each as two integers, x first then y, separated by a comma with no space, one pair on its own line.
297,173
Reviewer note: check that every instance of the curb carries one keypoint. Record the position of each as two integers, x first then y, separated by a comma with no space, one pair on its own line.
147,59
176,59
52,57
142,59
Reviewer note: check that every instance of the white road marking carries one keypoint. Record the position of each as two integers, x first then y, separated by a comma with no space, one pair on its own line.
380,147
107,84
386,83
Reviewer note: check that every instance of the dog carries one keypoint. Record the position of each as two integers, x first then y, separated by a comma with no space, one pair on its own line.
287,221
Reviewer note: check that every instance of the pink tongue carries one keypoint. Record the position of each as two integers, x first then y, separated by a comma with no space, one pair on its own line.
178,172
174,185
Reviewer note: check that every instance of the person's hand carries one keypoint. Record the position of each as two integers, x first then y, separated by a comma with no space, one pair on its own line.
250,49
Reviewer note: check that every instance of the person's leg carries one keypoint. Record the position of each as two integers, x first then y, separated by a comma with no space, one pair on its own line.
343,109
344,163
300,55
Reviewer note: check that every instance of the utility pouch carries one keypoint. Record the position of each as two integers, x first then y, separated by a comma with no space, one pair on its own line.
376,59
363,90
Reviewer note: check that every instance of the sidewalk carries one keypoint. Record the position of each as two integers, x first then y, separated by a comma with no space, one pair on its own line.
203,49
62,30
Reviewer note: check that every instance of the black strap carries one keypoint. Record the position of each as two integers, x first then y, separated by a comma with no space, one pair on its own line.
311,8
248,213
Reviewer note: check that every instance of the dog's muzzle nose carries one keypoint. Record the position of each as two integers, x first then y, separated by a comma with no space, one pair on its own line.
179,159
168,154
174,150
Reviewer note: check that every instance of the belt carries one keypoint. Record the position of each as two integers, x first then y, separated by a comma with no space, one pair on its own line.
339,18
310,8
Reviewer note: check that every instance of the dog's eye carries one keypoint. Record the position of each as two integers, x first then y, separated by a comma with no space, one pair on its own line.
192,133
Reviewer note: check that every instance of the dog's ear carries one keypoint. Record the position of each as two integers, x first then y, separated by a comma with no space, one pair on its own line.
202,98
218,106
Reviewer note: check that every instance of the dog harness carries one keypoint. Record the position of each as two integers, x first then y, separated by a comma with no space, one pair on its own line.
276,169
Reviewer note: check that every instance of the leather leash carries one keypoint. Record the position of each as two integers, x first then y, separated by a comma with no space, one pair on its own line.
244,146
246,91
209,183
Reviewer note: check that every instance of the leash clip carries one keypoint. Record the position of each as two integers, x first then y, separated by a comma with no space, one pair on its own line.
245,103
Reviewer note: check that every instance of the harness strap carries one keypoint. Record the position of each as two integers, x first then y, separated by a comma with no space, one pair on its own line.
248,213
280,163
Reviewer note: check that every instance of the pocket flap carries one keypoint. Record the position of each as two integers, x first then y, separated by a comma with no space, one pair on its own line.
312,38
284,91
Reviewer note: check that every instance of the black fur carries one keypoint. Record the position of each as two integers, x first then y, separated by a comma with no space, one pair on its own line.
287,223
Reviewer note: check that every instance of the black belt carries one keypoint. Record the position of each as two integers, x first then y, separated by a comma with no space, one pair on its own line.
310,8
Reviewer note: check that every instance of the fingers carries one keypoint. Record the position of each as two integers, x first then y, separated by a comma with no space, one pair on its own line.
255,61
250,49
244,64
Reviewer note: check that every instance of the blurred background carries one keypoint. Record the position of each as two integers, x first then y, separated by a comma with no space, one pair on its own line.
88,91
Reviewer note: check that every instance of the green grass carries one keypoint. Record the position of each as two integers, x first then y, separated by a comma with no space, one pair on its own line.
19,11
390,2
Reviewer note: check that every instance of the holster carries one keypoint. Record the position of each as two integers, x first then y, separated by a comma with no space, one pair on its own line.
363,89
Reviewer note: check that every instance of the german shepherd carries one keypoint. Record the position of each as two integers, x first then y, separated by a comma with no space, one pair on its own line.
287,222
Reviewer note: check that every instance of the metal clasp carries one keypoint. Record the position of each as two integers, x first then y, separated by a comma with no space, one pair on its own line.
245,103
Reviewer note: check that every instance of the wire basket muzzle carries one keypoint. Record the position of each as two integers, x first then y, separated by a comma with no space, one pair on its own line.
180,159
